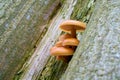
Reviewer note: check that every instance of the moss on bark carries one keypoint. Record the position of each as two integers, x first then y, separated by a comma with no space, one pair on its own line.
55,69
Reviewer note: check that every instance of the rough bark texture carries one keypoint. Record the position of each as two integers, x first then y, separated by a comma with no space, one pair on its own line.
54,69
33,68
25,23
22,22
98,55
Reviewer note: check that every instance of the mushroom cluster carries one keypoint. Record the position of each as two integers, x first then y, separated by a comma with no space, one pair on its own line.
65,47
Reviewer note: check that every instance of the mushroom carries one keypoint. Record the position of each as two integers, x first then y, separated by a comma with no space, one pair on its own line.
59,47
67,40
65,47
70,42
71,26
64,36
61,51
59,44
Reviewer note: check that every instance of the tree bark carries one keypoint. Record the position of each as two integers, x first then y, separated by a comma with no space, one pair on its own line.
22,25
28,29
98,55
54,69
34,67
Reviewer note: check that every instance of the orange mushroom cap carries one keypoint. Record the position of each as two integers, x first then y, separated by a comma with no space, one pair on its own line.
61,51
68,25
64,36
70,42
59,44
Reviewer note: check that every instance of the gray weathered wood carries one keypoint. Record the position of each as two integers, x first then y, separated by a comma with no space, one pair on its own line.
21,24
35,65
98,55
54,69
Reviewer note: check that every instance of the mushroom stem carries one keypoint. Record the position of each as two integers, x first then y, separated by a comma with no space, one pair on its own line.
66,59
73,33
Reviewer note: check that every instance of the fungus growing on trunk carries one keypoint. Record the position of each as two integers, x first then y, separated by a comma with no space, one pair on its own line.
61,51
71,26
65,47
70,42
64,36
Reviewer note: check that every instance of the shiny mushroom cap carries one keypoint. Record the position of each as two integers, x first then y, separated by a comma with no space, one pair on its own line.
70,42
59,44
68,25
64,36
61,51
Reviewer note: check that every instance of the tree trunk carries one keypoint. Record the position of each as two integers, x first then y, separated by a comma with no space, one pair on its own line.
28,29
55,69
22,24
34,67
98,55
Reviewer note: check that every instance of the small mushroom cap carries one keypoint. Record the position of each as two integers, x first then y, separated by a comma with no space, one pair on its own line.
59,44
70,42
64,36
61,51
68,25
